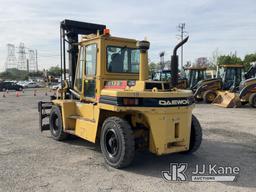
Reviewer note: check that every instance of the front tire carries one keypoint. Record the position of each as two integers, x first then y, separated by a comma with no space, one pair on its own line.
56,124
195,135
252,100
117,142
209,96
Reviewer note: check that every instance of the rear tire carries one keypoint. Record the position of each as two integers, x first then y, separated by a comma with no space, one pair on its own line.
195,135
209,96
252,100
56,124
117,142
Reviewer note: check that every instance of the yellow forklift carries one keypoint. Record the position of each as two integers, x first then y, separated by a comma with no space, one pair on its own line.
109,98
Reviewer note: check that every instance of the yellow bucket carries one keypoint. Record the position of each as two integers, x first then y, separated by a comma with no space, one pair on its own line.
227,99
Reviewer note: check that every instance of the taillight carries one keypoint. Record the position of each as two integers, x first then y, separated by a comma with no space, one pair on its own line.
130,101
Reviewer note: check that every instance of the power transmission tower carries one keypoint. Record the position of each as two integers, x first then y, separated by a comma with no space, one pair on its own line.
22,64
11,61
181,29
32,60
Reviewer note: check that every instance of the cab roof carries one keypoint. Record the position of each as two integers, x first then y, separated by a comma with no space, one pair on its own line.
90,37
232,66
195,68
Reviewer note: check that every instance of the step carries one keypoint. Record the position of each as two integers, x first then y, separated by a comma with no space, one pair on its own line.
69,131
81,118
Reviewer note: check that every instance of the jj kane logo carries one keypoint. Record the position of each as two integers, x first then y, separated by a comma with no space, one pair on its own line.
179,172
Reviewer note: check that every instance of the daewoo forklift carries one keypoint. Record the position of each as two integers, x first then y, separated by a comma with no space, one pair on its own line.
109,98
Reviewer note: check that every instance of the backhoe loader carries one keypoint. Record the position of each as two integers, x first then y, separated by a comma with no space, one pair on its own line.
110,99
231,89
241,94
228,76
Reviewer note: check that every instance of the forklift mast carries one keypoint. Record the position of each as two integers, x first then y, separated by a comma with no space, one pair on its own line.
69,33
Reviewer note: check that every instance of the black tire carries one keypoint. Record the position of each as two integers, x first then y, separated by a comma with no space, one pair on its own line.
56,124
117,142
209,96
252,100
195,135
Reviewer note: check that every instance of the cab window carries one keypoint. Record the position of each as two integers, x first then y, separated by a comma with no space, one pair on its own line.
90,70
123,59
79,70
90,51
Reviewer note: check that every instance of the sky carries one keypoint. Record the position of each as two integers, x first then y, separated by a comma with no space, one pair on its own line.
223,25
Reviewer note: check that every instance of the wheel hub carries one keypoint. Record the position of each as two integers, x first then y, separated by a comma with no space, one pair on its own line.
111,142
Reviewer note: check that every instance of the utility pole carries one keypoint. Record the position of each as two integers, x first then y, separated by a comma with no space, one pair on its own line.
181,28
36,61
27,65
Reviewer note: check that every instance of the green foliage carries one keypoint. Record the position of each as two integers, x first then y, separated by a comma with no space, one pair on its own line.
36,74
55,71
229,59
14,74
249,58
152,67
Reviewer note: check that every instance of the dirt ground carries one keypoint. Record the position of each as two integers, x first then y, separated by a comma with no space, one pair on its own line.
33,161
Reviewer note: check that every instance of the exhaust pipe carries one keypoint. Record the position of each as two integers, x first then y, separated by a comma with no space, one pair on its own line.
175,62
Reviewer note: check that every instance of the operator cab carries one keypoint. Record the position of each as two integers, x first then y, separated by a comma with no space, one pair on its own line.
231,75
194,75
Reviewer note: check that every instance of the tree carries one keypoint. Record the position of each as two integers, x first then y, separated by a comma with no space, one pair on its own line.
229,59
248,59
36,74
213,61
202,62
55,71
14,74
152,67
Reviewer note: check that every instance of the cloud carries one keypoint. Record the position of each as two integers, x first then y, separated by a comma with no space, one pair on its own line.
227,25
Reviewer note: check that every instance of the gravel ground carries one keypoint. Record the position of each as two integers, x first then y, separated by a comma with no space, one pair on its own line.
33,161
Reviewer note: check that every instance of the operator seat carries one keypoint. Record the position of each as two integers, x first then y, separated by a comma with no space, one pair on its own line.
116,64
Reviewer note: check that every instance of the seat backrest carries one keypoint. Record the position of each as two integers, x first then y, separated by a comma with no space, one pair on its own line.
116,64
